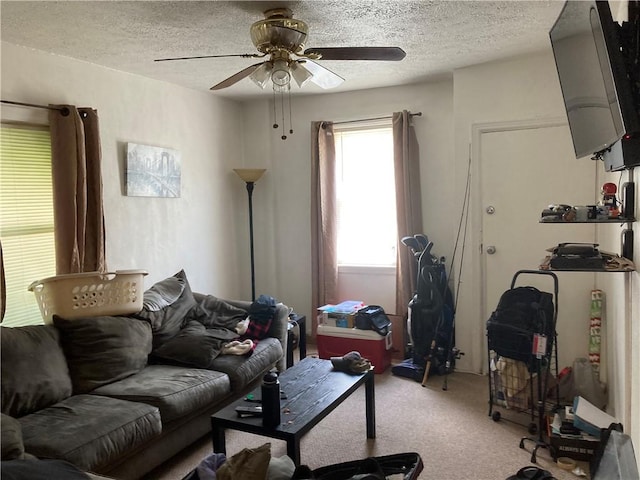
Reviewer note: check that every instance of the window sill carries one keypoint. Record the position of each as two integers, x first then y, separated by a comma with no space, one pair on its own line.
366,270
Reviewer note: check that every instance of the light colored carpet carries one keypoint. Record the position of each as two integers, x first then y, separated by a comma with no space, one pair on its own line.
451,430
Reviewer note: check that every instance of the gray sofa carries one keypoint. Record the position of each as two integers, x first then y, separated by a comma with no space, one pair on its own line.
117,396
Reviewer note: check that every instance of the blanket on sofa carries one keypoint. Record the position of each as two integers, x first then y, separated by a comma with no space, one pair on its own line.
194,333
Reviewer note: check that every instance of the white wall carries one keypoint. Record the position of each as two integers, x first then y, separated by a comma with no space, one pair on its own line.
198,231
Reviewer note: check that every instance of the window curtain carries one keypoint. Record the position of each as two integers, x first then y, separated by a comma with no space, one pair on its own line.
3,287
324,232
408,204
76,160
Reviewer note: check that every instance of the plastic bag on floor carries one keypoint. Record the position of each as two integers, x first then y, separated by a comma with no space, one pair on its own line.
586,383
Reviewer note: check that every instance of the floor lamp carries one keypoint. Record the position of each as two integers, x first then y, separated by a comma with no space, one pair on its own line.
250,176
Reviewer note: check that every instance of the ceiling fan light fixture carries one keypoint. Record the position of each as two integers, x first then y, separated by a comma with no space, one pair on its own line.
280,74
300,74
261,75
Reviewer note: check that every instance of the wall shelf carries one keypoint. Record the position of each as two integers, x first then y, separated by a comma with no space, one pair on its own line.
602,220
614,264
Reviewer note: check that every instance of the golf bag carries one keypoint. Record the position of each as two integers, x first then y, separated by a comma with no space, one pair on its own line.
432,319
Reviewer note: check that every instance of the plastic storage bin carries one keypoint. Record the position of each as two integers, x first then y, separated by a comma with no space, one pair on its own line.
336,341
89,294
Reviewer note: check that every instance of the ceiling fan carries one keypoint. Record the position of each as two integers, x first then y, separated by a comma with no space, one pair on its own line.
281,38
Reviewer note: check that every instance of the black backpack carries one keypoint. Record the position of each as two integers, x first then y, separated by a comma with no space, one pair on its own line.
521,313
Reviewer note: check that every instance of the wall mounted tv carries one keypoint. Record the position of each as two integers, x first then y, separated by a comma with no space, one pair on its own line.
598,64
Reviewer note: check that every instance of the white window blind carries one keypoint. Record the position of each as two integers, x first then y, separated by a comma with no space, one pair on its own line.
26,218
366,202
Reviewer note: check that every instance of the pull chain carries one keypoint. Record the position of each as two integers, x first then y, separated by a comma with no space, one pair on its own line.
290,116
275,125
283,137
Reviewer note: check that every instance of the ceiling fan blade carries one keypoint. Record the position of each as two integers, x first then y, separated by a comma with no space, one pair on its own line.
236,77
323,77
392,54
243,55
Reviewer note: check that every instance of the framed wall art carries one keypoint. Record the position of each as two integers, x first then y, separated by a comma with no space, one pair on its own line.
152,171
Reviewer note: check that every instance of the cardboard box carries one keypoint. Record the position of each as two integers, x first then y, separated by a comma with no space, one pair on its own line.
336,341
576,448
342,320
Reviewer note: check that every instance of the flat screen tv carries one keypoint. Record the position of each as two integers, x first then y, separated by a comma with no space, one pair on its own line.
597,63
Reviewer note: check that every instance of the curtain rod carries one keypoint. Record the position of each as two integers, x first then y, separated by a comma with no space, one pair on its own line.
418,114
63,110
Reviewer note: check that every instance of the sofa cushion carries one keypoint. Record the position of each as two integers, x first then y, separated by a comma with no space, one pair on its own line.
175,391
89,431
101,350
195,345
33,370
11,438
34,469
166,305
243,370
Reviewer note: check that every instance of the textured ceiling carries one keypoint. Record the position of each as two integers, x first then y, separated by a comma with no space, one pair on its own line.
438,36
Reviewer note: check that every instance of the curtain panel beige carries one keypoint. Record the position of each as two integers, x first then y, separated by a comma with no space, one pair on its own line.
408,204
76,160
324,232
3,287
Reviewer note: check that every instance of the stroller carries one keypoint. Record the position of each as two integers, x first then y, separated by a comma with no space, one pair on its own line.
431,317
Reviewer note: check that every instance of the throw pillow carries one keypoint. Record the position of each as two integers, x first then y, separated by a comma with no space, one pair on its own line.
33,370
166,305
101,350
194,345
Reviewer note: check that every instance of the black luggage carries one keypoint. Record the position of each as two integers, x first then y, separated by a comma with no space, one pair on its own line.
408,464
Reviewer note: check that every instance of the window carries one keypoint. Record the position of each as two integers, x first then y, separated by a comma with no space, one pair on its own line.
366,202
26,218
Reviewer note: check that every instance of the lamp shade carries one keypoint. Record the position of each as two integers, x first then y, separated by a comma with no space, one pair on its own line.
262,75
300,74
250,175
280,75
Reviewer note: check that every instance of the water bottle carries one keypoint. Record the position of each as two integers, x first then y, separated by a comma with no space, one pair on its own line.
270,400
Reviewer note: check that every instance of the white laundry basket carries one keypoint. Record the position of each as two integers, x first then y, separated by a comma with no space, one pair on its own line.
89,294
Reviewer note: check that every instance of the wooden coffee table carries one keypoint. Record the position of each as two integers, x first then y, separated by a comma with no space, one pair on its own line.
313,389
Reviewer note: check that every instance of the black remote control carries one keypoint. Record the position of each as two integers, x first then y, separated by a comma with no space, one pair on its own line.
254,411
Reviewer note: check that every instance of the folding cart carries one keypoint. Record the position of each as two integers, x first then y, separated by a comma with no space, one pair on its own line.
522,354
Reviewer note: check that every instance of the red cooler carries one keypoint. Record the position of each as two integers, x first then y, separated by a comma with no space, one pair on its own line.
336,341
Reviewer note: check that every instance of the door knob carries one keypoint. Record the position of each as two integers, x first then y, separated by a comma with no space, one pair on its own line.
491,249
491,210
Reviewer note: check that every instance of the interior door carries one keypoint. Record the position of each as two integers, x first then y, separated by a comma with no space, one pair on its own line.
523,170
